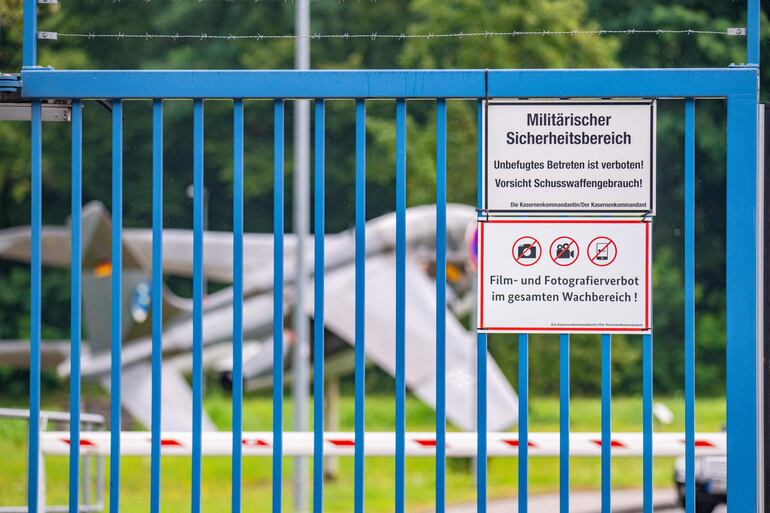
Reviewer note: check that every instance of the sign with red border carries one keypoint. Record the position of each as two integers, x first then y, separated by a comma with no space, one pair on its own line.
597,278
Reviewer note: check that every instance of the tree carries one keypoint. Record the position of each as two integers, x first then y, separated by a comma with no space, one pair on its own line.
397,16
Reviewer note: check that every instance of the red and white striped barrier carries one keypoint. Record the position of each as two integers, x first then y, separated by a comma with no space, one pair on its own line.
137,443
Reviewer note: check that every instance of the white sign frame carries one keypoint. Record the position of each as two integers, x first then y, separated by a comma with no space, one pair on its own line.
499,203
634,235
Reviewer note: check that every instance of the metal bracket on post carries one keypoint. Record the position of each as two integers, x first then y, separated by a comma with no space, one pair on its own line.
22,111
9,85
13,108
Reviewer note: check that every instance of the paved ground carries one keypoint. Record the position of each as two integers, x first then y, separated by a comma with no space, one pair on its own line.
623,501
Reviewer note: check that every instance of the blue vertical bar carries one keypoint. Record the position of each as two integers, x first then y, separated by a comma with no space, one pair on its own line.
479,153
400,304
689,302
523,422
481,343
75,302
157,301
753,32
647,423
197,367
117,306
237,463
742,303
360,357
564,423
29,48
440,305
318,320
606,423
36,194
278,149
481,422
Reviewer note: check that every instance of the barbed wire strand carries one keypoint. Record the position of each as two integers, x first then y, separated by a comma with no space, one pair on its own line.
375,35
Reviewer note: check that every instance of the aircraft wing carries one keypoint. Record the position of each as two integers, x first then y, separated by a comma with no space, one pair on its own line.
15,353
15,244
218,246
502,405
258,247
217,251
96,234
176,397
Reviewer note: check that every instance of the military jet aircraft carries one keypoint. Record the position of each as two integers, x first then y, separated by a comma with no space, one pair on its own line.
339,319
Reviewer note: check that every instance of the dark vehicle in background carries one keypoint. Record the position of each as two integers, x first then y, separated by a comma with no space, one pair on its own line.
710,482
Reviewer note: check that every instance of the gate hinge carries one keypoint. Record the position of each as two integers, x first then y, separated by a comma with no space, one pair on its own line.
9,85
14,108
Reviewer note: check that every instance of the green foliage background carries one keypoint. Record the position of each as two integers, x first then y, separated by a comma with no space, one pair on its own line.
367,16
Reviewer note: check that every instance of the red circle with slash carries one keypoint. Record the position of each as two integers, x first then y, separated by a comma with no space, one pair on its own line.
602,251
564,251
526,251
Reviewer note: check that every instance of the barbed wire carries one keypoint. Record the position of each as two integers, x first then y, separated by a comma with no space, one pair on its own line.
402,36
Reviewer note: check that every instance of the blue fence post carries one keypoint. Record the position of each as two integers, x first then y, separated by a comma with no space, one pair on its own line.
564,422
689,303
753,32
481,342
742,315
197,353
523,422
75,304
360,270
318,318
29,46
481,422
440,305
237,398
278,170
400,305
117,303
35,264
606,424
157,301
647,423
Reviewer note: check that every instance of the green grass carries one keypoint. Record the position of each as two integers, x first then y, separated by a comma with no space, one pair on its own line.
544,472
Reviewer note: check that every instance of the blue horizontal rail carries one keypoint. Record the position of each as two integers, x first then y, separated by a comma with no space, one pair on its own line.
696,83
642,83
256,84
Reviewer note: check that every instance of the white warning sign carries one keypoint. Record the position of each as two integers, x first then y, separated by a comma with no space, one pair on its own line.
566,275
570,156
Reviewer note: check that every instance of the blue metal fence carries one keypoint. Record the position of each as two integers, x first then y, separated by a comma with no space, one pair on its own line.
737,86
